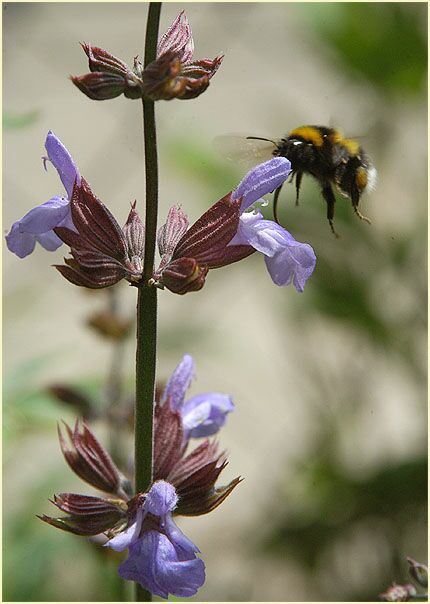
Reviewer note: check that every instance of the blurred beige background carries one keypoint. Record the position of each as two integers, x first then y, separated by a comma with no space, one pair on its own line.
284,374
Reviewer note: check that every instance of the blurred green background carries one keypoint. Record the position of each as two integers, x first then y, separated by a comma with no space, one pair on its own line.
330,427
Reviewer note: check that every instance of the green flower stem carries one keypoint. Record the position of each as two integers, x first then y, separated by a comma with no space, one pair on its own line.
145,388
150,136
146,350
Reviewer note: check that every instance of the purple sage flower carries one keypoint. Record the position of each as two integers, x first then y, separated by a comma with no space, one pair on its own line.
203,414
287,260
161,558
38,223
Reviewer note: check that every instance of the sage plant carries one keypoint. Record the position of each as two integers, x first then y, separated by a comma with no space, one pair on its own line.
171,476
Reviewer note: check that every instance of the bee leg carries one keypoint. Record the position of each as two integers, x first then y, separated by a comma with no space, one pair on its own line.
275,204
355,198
299,177
327,193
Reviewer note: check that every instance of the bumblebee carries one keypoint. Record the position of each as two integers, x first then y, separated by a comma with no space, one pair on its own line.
331,159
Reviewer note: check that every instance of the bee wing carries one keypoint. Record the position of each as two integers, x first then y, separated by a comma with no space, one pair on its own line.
240,150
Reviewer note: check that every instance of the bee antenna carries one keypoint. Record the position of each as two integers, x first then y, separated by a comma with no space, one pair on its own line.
259,138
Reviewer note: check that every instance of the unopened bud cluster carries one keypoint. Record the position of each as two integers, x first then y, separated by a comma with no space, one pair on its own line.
174,73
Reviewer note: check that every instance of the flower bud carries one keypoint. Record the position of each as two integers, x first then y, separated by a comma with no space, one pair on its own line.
161,79
134,232
110,77
184,275
171,232
174,73
100,86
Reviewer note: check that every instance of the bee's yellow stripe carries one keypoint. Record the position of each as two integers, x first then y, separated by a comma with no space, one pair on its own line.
336,136
309,134
350,145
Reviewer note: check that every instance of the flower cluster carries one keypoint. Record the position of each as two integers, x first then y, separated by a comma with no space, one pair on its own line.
103,253
160,557
174,73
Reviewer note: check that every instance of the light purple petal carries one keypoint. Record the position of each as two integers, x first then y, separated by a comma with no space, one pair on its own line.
261,180
154,563
37,225
293,264
45,217
266,236
287,260
126,539
204,414
67,222
179,382
63,162
161,498
49,241
21,244
194,414
184,546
